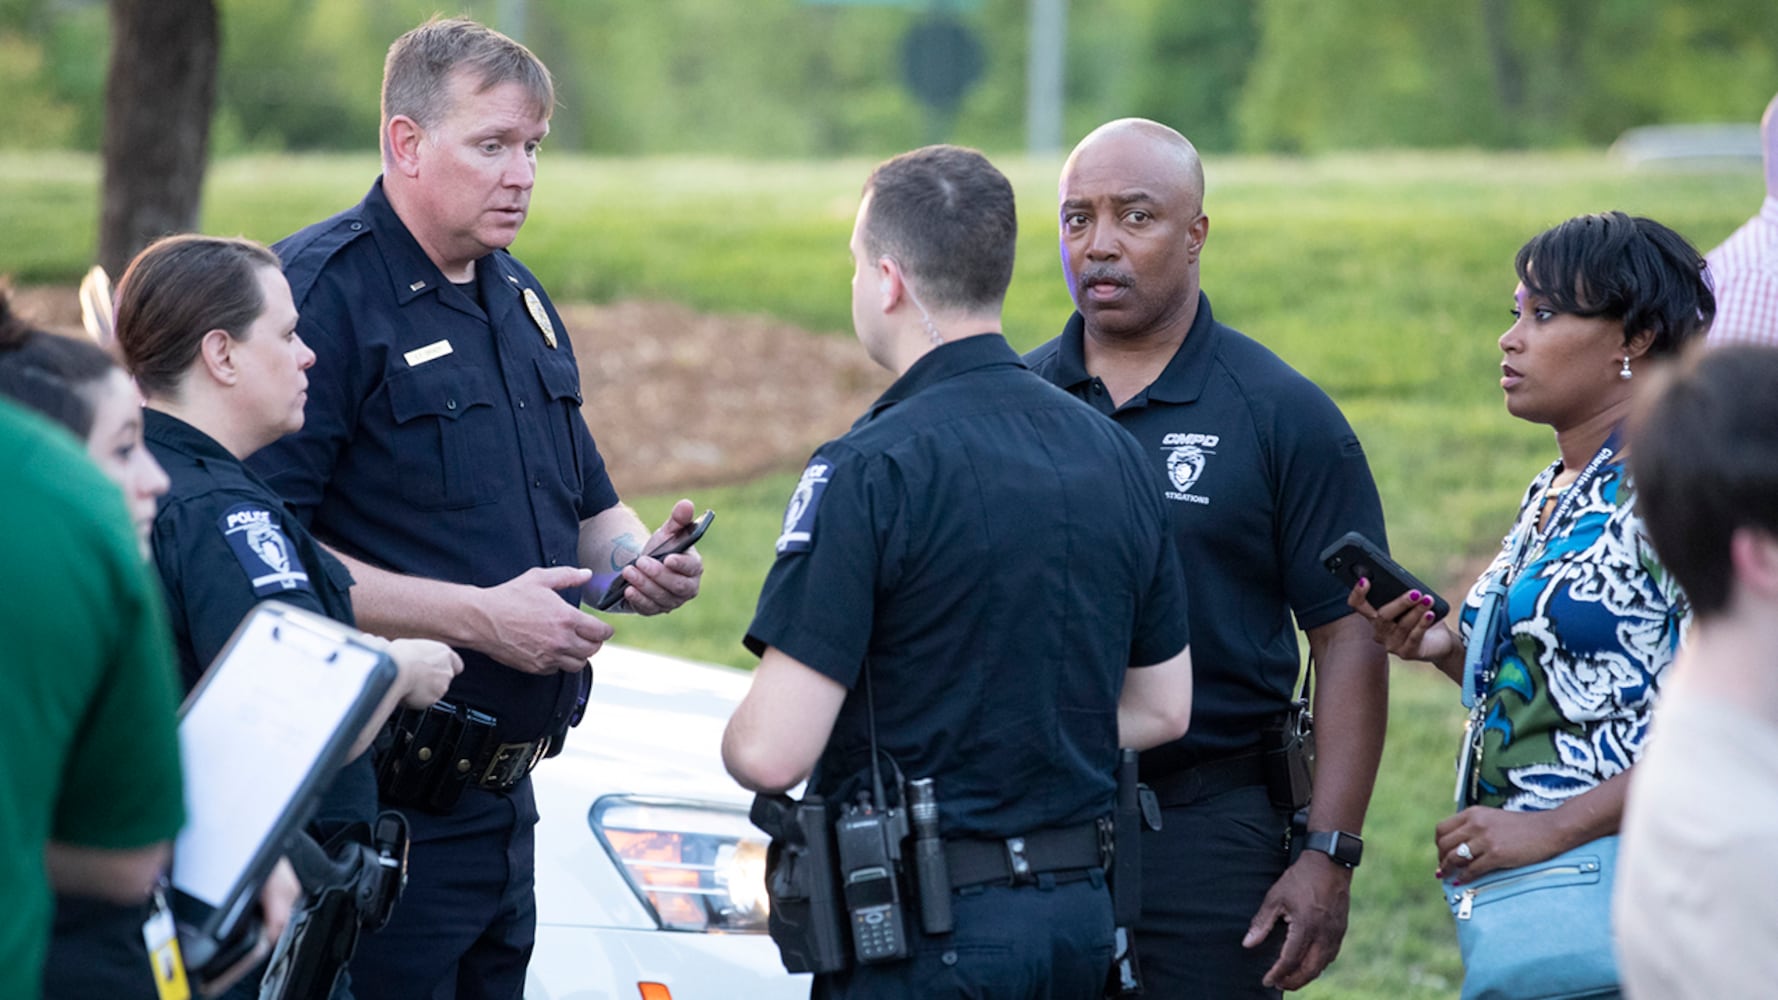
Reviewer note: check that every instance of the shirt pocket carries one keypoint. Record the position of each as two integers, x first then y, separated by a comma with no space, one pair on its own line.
560,379
445,427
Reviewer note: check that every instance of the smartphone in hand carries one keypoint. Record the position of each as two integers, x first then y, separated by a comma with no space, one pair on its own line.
610,586
1355,557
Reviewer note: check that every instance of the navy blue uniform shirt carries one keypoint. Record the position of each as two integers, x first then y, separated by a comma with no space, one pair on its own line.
443,436
997,553
223,542
1262,472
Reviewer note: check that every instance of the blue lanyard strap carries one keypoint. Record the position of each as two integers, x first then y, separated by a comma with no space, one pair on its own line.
1491,629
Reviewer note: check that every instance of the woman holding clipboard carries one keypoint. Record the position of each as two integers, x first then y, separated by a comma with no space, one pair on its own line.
207,327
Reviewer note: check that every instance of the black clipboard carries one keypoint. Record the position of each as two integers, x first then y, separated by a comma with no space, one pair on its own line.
259,738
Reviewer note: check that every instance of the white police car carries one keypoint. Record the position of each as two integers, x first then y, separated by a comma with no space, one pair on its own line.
650,879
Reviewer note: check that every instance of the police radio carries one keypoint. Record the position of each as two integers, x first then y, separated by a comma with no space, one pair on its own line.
869,841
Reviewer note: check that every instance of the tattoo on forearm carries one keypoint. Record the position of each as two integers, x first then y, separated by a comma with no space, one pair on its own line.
624,550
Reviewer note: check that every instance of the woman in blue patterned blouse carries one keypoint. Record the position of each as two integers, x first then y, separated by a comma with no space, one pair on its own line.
1562,679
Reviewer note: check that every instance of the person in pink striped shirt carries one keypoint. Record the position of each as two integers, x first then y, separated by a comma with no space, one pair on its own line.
1745,266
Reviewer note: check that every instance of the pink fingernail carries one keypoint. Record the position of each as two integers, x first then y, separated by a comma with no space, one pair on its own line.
1413,595
1364,581
1428,616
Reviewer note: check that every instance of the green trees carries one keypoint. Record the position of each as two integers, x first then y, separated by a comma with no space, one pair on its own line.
789,78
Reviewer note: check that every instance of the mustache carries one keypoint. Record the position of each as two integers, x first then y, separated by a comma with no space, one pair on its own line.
1103,275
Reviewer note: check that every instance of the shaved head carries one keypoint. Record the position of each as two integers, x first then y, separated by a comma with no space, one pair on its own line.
1132,227
1164,141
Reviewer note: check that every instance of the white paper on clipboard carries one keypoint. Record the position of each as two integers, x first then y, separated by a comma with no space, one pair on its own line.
259,737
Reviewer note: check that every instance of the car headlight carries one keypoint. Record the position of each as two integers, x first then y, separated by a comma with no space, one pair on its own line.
698,866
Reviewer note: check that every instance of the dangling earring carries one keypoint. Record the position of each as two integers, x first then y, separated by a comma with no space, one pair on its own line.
1624,372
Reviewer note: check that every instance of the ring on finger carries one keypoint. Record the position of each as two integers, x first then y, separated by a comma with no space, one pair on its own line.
1464,852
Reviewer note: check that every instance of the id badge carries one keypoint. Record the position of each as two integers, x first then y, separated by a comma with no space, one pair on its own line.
164,960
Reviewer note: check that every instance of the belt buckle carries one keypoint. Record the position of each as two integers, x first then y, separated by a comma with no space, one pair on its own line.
1017,861
510,763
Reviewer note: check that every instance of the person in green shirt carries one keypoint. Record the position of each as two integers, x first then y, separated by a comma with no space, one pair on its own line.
91,796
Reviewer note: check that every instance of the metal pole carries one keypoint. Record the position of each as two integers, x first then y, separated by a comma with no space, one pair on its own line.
1046,56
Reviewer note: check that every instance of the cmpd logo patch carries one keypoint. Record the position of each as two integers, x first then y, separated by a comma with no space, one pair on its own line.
267,556
1187,455
799,513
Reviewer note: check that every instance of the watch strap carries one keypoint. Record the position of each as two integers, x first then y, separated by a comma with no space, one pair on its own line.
1345,848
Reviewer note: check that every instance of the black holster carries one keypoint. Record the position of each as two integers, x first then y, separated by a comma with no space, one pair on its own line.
1289,748
807,920
350,884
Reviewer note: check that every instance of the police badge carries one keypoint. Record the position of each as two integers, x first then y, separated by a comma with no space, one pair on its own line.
540,316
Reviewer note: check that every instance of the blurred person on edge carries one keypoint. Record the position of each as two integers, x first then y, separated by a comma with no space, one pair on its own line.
1696,908
1566,674
976,581
92,796
1261,473
1744,267
445,460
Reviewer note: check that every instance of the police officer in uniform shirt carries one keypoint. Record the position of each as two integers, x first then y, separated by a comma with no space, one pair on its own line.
207,328
987,559
1262,473
445,460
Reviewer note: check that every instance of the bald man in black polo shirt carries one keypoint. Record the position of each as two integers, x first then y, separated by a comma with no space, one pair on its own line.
1262,473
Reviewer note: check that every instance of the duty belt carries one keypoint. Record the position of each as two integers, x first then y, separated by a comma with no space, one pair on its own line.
1017,860
508,764
1211,778
427,757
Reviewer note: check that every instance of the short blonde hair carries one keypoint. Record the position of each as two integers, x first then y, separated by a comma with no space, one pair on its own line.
417,73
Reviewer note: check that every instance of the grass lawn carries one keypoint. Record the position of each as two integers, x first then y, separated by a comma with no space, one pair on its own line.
1386,278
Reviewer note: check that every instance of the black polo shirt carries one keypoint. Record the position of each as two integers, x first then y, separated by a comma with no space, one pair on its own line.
443,436
1261,472
223,542
997,553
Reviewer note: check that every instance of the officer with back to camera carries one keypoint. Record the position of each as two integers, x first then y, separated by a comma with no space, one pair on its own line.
982,564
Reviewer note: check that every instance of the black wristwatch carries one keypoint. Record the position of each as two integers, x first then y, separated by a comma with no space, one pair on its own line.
1345,848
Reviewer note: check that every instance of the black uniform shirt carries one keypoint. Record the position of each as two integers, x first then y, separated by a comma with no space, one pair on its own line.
223,542
443,436
1261,472
997,553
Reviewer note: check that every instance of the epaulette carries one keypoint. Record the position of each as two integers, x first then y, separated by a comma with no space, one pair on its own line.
306,252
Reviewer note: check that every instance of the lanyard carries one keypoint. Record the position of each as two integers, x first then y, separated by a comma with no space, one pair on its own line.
1487,634
1492,631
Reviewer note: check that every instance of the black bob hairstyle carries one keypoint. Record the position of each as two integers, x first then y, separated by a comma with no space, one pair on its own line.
1622,267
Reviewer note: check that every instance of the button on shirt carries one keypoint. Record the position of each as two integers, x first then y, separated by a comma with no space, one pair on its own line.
443,436
1745,270
1261,472
997,553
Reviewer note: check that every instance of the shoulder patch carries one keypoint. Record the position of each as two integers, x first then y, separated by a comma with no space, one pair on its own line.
263,550
799,514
